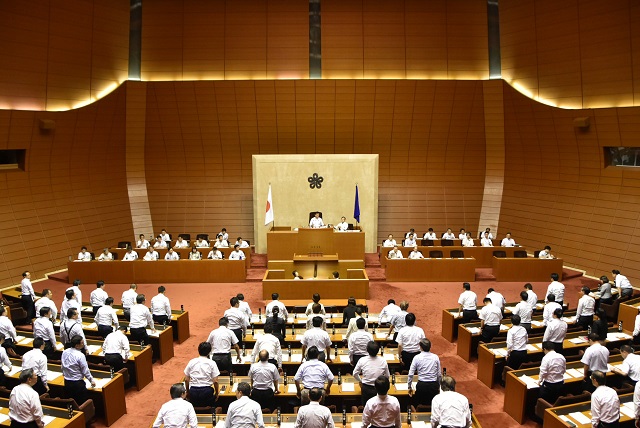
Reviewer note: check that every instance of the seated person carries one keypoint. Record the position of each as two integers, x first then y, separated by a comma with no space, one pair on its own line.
165,237
171,255
152,255
106,256
546,253
221,243
335,275
316,222
395,253
488,232
415,254
201,243
84,255
181,243
410,233
160,243
241,243
411,241
389,242
130,255
142,242
448,234
296,275
237,253
223,233
462,234
430,234
195,254
343,226
508,241
215,254
486,241
468,241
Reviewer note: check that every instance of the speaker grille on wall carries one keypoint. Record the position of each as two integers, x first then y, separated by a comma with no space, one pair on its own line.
581,122
47,124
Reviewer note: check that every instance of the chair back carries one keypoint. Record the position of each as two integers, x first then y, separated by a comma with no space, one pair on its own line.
124,244
520,254
435,254
457,254
500,254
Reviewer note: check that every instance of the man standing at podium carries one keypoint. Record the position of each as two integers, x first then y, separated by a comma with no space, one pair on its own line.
316,222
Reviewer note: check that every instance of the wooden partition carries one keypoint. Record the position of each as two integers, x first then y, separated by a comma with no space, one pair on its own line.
428,270
285,245
482,255
329,288
527,269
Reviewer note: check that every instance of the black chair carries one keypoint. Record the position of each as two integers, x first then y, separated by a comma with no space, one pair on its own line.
457,254
204,236
124,244
536,253
331,309
185,236
520,254
313,214
299,309
446,242
350,226
93,256
435,254
500,254
427,243
115,256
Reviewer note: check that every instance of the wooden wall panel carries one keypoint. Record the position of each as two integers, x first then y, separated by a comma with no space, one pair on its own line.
574,54
60,55
430,137
73,193
557,191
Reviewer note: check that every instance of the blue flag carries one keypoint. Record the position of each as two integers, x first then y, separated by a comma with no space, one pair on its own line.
356,207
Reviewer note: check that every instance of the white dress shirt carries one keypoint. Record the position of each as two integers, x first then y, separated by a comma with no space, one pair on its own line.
316,223
313,374
181,244
129,298
45,302
84,256
409,338
316,337
117,343
342,226
202,372
369,368
160,244
142,243
636,400
490,314
269,343
7,329
382,411
353,327
605,406
508,242
140,317
43,327
357,343
151,256
427,366
283,309
631,366
263,375
517,338
215,254
468,242
449,236
314,415
545,254
532,300
415,254
389,243
106,315
222,340
430,235
409,242
556,331
24,404
557,289
237,319
549,309
395,254
469,300
450,408
552,367
221,243
497,299
26,288
237,255
176,413
172,256
68,304
399,321
388,312
586,306
201,243
244,307
310,309
242,244
4,358
244,413
78,293
36,360
622,281
130,256
69,328
596,357
105,257
523,310
97,297
160,305
486,242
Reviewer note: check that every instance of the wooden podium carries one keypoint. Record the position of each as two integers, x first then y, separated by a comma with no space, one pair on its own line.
283,243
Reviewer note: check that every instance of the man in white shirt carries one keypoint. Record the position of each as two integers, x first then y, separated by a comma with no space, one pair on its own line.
142,242
508,241
467,302
389,242
556,330
151,256
201,378
395,253
312,374
462,234
268,342
241,243
28,296
552,370
487,232
8,333
160,243
221,242
517,338
244,412
486,241
343,226
106,318
215,254
398,321
77,293
130,255
105,256
36,360
128,299
430,235
549,308
449,408
532,300
222,340
408,339
352,327
244,306
24,403
223,234
595,357
368,369
178,412
415,254
357,342
546,253
116,348
411,233
318,338
410,241
630,364
427,366
496,298
237,253
71,326
97,297
316,221
622,283
524,311
165,237
586,309
171,255
201,243
84,255
448,235
140,320
605,404
264,381
556,288
314,415
43,328
388,311
383,410
238,321
160,307
46,300
468,241
490,316
69,302
181,243
275,302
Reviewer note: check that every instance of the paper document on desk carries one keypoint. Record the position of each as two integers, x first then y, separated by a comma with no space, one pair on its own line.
420,424
92,326
291,388
235,387
569,320
353,424
287,425
530,382
575,373
565,418
381,335
504,327
296,358
19,339
151,333
619,336
100,382
474,330
628,412
3,418
14,371
299,337
51,375
530,347
580,417
348,387
501,352
389,357
48,419
628,404
26,341
578,340
345,359
59,346
537,323
93,348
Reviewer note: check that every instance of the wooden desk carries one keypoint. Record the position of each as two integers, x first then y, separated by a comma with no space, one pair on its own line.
483,255
529,269
108,399
379,336
490,354
406,270
557,417
628,312
340,304
328,288
184,252
300,320
284,244
520,396
59,417
140,271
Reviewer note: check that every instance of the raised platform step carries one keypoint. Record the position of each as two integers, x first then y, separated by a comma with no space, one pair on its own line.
59,276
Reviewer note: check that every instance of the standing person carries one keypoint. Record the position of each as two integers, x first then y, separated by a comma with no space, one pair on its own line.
106,318
116,348
352,327
556,288
382,410
349,311
75,370
36,360
69,302
316,338
368,369
128,300
43,328
314,414
238,321
449,408
549,308
244,306
178,412
201,378
496,298
622,283
398,321
586,308
606,296
517,338
427,366
8,332
605,404
244,412
77,293
600,326
278,324
532,300
270,343
97,297
490,316
524,311
409,340
25,409
630,365
358,341
312,374
4,361
282,309
556,331
140,320
160,307
388,311
595,358
552,370
468,304
71,327
46,300
315,300
28,296
222,340
264,381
